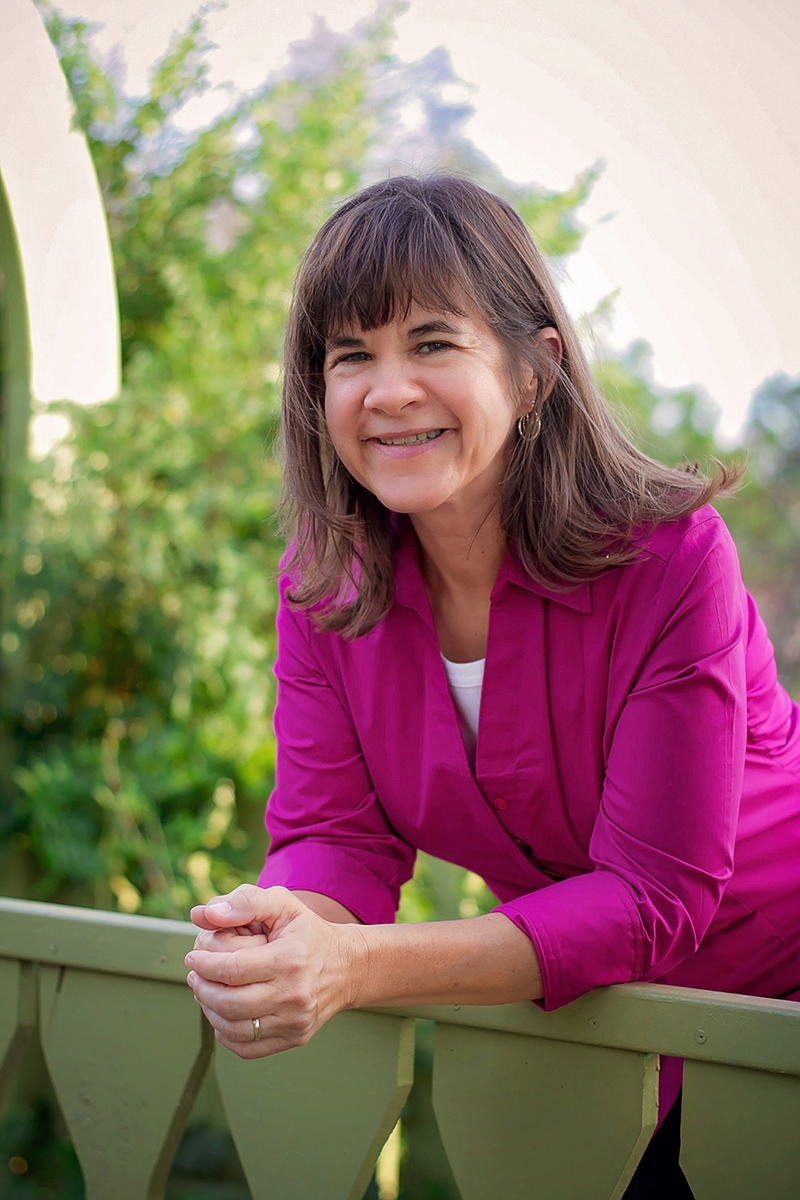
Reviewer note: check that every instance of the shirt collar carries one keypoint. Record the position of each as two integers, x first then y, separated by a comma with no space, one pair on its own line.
409,589
578,597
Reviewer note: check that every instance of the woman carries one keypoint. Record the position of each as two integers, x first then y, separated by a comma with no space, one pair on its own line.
508,638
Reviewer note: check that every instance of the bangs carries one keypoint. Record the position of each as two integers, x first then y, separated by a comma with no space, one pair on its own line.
372,264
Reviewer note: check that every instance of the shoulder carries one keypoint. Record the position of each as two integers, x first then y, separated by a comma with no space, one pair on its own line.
293,622
695,552
688,539
687,568
300,628
682,563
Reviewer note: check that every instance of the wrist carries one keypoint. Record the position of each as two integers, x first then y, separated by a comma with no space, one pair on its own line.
354,965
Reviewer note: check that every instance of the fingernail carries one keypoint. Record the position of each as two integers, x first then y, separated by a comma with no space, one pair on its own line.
189,960
191,979
222,906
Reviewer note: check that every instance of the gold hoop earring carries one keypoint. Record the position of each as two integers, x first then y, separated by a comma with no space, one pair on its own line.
522,425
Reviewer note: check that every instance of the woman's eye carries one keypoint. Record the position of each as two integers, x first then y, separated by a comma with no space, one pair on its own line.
433,347
355,356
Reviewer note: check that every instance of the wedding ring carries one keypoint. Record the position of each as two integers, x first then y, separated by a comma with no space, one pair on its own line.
256,1029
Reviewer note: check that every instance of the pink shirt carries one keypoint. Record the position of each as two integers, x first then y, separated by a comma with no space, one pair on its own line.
636,799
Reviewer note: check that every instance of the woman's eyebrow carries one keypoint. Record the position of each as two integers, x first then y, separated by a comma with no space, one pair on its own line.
432,327
349,342
343,342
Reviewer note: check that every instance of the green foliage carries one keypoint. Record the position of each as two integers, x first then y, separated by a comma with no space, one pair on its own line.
551,216
36,1159
764,516
673,426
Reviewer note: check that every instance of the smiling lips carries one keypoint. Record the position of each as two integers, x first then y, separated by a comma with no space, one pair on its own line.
410,439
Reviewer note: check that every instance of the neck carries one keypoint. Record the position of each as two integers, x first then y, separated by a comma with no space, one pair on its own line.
460,560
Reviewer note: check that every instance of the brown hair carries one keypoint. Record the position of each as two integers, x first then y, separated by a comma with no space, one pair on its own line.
572,496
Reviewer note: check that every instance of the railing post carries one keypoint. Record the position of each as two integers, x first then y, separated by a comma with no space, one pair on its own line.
126,1057
740,1133
17,1015
526,1116
309,1123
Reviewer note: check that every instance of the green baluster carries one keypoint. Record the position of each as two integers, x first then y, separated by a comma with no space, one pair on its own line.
17,1015
126,1057
309,1123
740,1133
527,1118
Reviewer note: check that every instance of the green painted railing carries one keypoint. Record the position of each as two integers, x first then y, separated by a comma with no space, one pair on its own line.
530,1105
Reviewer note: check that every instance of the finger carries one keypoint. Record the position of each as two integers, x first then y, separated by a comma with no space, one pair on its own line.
272,1028
235,908
214,940
233,1003
247,903
241,966
255,927
227,941
232,1031
198,915
253,1049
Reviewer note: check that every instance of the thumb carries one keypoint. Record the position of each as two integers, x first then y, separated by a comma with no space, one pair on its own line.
244,905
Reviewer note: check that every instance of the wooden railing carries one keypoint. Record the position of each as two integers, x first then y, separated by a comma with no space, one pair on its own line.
556,1106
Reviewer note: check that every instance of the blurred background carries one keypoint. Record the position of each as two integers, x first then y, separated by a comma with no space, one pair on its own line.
137,690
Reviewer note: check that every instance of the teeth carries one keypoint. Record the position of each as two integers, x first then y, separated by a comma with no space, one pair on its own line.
414,440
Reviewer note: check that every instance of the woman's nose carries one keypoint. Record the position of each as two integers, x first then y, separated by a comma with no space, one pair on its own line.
392,387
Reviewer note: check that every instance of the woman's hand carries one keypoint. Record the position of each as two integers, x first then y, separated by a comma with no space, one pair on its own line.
263,955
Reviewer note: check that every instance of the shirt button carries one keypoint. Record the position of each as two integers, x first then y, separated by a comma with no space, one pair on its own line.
499,802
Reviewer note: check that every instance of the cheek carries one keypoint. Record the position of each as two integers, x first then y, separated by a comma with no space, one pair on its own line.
336,420
499,419
340,446
343,438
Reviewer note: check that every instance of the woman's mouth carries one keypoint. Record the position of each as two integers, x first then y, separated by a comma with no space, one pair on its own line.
411,439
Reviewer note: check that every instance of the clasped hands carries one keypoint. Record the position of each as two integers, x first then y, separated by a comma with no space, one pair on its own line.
262,953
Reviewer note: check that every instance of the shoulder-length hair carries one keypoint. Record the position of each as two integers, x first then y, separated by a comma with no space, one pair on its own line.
571,498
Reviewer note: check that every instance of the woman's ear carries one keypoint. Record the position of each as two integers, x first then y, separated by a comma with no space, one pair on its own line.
550,341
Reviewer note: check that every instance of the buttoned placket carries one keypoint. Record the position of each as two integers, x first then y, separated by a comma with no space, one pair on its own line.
489,783
489,796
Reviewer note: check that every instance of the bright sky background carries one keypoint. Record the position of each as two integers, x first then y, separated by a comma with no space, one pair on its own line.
693,106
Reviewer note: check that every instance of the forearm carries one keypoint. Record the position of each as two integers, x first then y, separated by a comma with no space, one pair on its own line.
481,960
328,909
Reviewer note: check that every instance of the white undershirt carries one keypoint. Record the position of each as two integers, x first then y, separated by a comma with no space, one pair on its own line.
465,681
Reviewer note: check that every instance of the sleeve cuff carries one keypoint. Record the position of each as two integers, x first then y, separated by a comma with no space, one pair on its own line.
586,932
315,867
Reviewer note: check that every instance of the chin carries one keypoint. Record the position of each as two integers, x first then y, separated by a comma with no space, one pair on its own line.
411,505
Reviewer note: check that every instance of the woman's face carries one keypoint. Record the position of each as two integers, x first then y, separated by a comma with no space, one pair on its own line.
422,411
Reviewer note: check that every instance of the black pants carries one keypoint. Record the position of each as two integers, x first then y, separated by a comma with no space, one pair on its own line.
658,1175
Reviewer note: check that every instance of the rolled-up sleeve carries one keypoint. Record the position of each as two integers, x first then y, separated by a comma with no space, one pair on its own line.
662,845
328,831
